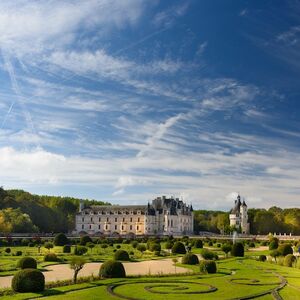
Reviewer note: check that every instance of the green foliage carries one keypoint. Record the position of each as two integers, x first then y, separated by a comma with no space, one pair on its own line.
14,220
237,249
208,266
190,259
274,242
80,250
60,240
7,250
27,263
285,249
51,257
206,254
154,247
85,239
76,264
289,260
141,247
48,245
134,244
178,248
262,258
28,280
169,245
66,249
275,253
32,213
226,248
112,269
121,255
19,253
198,243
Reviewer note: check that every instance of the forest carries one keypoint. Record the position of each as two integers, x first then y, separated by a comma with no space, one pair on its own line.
23,212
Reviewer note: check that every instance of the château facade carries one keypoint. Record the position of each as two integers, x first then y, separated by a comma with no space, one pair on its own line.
239,216
164,216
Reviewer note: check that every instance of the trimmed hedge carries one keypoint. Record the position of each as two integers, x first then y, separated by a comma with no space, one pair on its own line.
28,280
273,244
208,266
51,257
198,243
60,240
285,249
289,260
190,259
67,249
80,250
112,269
178,248
262,258
27,263
206,254
121,255
237,249
141,247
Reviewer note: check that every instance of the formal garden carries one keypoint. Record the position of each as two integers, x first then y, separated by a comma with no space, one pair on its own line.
148,268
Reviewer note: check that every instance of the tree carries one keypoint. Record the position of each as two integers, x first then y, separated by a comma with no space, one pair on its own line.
76,264
90,245
175,261
222,222
48,246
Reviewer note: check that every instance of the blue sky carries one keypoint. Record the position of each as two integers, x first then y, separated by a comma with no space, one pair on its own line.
123,101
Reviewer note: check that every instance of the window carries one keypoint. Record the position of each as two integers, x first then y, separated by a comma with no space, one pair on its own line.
137,227
116,226
91,219
138,219
171,223
90,226
99,227
82,219
122,227
130,227
82,226
116,219
106,219
123,219
99,219
130,219
106,227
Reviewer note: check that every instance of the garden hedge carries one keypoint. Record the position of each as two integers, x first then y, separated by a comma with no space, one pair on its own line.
112,269
27,263
190,259
28,280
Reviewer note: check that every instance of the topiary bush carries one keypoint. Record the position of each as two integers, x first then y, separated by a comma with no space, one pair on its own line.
112,269
7,250
67,249
208,266
198,243
273,244
155,247
289,260
27,263
262,258
169,245
141,247
190,259
285,249
19,253
85,239
178,248
80,250
209,255
28,280
60,240
121,255
51,257
237,249
134,244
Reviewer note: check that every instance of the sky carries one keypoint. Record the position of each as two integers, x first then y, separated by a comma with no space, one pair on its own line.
123,101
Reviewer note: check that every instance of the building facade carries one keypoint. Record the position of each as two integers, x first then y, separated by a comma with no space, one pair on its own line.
239,216
164,216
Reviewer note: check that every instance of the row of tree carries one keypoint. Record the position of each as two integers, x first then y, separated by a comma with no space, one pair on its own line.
262,221
23,212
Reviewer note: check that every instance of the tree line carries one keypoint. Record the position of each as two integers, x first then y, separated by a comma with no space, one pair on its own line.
23,212
262,221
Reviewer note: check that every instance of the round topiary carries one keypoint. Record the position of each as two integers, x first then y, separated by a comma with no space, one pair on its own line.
285,249
190,259
178,248
289,260
121,255
155,247
112,269
19,253
28,280
169,245
208,266
60,240
27,263
80,250
51,257
262,258
273,244
66,249
85,239
7,250
198,243
134,244
237,249
141,247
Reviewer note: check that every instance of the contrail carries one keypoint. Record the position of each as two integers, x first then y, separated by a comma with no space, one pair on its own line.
7,114
16,89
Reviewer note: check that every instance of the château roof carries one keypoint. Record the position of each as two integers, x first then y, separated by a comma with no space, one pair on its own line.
237,206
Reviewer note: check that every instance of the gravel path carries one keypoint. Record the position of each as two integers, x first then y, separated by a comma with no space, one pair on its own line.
63,272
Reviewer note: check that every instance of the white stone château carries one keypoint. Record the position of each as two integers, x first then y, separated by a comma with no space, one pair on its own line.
239,216
164,216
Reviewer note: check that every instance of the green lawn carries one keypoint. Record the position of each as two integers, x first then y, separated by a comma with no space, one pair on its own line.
236,278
